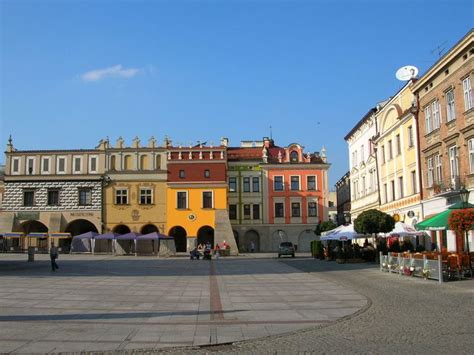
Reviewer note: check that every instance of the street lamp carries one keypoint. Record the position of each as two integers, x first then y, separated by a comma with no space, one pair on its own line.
464,194
347,217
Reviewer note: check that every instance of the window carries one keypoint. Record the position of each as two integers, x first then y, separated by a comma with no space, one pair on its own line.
278,183
430,172
354,158
246,211
207,199
121,196
294,157
256,211
146,196
182,200
182,175
411,142
246,184
295,209
311,183
85,197
30,166
436,114
400,187
413,182
362,155
437,166
428,119
390,150
232,212
255,184
466,85
45,165
207,173
471,155
61,165
356,189
77,166
53,197
312,209
279,210
28,197
392,185
232,184
385,192
382,153
92,164
453,161
295,183
450,108
399,145
363,186
15,165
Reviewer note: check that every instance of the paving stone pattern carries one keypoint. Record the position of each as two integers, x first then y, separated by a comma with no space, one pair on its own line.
106,303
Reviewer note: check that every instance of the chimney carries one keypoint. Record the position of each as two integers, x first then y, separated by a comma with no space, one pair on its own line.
224,142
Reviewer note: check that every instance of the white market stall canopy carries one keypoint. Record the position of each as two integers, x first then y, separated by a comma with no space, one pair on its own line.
403,230
343,232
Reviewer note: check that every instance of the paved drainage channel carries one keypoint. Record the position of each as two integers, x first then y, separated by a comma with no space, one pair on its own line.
180,303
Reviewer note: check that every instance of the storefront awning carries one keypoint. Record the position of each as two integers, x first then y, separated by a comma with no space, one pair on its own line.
13,235
37,235
60,235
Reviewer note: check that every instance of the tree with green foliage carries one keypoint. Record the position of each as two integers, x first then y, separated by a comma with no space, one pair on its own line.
324,226
373,222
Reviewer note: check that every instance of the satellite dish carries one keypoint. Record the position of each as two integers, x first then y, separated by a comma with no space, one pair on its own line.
406,73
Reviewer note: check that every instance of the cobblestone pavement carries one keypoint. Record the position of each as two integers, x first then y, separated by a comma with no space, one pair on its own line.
404,316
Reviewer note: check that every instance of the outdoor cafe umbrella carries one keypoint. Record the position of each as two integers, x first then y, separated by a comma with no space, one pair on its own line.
343,232
441,220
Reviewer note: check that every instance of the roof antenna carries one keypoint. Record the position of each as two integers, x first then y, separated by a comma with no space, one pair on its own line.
271,134
439,49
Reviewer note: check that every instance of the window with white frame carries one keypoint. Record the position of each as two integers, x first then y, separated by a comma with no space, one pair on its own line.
428,119
15,166
392,185
437,165
399,144
430,172
382,153
85,197
207,199
295,183
466,86
256,211
362,155
61,165
413,182
450,108
312,209
311,182
232,184
30,166
77,165
232,212
146,196
246,211
411,142
182,200
279,210
390,150
121,196
278,183
385,192
28,197
45,165
93,164
255,184
295,209
246,184
53,197
453,161
363,186
436,113
371,181
471,155
400,187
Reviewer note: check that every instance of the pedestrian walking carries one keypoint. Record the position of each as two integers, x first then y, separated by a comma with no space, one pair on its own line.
252,246
53,254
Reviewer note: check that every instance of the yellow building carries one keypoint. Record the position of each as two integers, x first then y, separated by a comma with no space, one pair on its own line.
398,165
135,191
197,197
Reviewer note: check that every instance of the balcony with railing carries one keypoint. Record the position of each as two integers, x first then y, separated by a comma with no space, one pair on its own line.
446,187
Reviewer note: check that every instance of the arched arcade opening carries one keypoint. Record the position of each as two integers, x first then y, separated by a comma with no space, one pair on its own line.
179,234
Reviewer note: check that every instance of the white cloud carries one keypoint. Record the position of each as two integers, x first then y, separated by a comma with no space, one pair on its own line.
116,71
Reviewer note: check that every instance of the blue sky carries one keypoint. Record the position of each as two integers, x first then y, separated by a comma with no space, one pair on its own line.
73,72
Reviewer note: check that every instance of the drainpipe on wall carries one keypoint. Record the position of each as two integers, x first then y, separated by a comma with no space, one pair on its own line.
415,112
377,162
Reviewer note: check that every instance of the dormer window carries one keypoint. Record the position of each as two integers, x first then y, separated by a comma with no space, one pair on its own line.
294,157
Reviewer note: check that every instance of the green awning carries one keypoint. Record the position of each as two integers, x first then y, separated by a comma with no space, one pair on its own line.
440,221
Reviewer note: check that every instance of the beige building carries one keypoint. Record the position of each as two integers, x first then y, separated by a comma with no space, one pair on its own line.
397,159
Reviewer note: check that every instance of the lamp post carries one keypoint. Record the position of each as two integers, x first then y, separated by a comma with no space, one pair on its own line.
464,194
347,217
